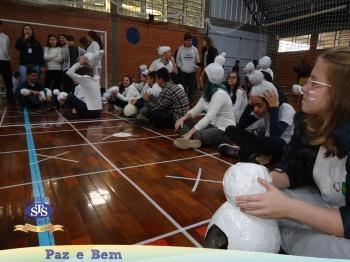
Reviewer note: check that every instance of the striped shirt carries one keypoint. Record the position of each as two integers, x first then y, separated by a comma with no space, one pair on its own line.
172,99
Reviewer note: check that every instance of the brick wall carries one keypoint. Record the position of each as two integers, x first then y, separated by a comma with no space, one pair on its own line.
62,16
152,35
283,63
129,56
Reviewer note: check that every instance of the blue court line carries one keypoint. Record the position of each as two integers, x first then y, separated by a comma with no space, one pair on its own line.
45,238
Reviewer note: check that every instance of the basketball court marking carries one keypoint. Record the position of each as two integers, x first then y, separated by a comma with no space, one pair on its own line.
83,144
3,116
55,157
121,168
66,130
154,203
172,233
197,180
167,137
61,123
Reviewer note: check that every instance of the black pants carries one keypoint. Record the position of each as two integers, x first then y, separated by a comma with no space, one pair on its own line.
161,119
30,101
53,79
6,71
81,107
67,83
140,103
189,82
251,144
119,102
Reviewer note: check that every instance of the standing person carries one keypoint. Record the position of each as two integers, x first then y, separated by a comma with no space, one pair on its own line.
236,66
210,130
70,54
165,60
83,42
209,51
5,65
208,54
237,93
53,58
303,70
31,53
95,44
278,118
171,104
315,167
62,40
187,60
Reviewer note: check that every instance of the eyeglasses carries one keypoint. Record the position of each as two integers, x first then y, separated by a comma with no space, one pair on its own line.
314,83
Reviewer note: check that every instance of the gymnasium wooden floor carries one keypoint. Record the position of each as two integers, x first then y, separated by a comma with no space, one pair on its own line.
105,189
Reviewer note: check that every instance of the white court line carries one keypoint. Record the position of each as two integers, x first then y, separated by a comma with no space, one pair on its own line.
66,130
197,180
110,170
84,144
3,116
154,203
60,123
55,157
164,162
193,179
172,233
167,137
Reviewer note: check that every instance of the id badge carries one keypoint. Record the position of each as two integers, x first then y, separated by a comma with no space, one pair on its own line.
30,50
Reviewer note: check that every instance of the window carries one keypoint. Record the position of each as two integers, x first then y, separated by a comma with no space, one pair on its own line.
333,39
295,43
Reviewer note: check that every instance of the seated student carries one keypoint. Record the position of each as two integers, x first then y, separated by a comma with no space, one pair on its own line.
89,83
171,105
142,85
278,118
30,93
315,166
125,93
238,94
210,130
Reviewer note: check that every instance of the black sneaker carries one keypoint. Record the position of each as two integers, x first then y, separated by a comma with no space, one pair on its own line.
229,150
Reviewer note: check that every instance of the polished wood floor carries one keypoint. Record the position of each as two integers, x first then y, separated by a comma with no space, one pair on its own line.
105,189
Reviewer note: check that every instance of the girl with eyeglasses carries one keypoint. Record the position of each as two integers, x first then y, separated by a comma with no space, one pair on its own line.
315,168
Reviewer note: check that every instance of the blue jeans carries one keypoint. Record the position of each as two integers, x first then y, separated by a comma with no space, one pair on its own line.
23,70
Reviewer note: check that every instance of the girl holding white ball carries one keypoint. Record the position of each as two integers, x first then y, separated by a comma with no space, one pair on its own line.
316,168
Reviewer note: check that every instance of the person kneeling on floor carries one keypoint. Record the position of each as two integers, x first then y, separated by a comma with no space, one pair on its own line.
91,107
216,101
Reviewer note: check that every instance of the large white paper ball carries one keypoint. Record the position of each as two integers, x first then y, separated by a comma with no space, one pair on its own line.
130,110
245,232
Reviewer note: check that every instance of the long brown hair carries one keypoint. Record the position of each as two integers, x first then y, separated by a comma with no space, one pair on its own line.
319,128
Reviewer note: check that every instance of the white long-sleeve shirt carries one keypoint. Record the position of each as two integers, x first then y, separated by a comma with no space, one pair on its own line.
90,86
4,47
187,58
158,64
92,48
129,93
219,111
240,104
53,58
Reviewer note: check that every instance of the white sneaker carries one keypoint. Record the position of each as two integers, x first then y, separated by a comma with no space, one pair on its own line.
183,143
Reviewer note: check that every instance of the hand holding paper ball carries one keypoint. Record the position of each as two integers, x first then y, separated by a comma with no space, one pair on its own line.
130,110
232,229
